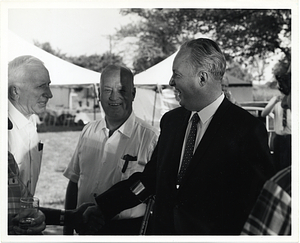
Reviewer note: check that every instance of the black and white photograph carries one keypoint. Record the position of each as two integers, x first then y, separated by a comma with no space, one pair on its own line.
150,121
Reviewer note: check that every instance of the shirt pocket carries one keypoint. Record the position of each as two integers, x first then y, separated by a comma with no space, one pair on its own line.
130,168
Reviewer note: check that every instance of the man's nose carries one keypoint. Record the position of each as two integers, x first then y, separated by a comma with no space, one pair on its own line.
113,95
172,82
48,93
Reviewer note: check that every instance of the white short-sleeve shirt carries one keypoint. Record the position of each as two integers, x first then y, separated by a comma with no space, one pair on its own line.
98,159
278,116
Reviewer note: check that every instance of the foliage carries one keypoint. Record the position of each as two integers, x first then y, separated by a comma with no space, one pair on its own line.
159,35
242,33
247,32
46,46
93,62
235,70
96,62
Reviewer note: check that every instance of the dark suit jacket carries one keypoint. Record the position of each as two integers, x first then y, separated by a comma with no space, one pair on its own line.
221,184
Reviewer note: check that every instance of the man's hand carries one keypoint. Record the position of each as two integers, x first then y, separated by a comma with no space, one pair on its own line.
73,218
37,225
278,98
93,220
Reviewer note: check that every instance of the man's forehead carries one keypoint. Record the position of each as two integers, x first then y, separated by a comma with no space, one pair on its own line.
111,77
110,74
116,77
36,69
35,79
182,56
181,63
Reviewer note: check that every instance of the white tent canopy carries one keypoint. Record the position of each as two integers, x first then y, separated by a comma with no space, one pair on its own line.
159,74
61,72
149,104
162,100
157,100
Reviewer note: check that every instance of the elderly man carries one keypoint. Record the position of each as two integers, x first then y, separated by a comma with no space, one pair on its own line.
111,150
28,94
211,159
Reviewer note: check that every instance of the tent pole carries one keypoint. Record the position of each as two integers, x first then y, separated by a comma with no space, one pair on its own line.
70,99
95,96
154,105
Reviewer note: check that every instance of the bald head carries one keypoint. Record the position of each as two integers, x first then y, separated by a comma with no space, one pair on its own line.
117,93
124,73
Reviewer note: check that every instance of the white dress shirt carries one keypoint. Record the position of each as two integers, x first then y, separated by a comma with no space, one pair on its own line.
205,115
278,116
24,144
98,159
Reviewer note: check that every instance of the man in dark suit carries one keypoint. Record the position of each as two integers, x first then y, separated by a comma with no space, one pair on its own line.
210,188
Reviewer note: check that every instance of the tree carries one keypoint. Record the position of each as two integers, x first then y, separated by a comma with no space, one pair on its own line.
96,62
93,62
159,35
249,32
242,33
46,46
236,70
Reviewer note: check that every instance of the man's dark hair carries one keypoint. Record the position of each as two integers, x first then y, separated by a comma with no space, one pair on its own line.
284,82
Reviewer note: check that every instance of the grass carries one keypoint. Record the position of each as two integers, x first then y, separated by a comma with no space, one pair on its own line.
51,188
58,150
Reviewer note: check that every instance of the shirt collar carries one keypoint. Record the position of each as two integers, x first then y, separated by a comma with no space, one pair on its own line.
128,125
18,119
126,128
207,112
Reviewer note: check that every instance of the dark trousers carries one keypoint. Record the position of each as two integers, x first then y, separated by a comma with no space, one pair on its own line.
122,227
282,151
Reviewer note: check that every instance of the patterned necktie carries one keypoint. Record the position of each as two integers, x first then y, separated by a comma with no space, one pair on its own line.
189,148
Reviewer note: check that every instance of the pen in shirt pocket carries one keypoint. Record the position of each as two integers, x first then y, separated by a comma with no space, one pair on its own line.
40,146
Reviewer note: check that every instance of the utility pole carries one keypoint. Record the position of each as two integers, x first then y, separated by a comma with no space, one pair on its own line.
110,44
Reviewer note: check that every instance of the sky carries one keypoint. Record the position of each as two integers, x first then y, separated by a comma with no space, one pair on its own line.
77,31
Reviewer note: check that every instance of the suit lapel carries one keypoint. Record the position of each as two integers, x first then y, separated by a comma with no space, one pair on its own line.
179,131
208,137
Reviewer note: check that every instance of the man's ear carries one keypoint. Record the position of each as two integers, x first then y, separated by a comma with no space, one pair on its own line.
203,77
13,92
